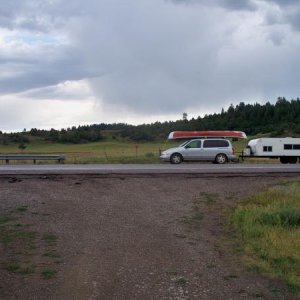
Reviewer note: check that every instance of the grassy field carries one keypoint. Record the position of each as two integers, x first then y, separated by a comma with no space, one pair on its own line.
268,227
107,151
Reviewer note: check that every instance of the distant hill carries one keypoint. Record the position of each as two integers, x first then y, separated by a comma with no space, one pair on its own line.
279,119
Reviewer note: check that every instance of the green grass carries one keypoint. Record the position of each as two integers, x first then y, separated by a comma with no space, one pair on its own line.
49,238
25,251
16,267
15,238
48,273
196,216
5,218
268,226
23,208
51,254
107,151
208,198
18,244
111,150
181,281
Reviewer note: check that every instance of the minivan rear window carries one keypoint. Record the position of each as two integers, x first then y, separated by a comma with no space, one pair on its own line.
215,143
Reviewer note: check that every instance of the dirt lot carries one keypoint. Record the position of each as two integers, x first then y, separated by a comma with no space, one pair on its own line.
89,237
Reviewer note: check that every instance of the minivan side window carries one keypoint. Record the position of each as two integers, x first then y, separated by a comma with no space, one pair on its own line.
215,144
194,144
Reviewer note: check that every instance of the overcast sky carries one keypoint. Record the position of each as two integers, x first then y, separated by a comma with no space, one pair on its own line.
74,62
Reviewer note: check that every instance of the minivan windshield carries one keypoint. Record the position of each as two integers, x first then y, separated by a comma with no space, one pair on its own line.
183,144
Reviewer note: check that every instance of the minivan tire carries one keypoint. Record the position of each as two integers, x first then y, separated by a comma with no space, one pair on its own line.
176,158
221,159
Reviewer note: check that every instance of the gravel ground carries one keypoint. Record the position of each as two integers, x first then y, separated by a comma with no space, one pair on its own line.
129,237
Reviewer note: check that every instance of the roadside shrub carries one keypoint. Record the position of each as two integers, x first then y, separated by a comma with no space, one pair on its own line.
289,217
268,228
286,217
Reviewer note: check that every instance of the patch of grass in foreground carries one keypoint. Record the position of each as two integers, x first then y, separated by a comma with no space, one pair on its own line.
23,208
268,225
181,280
16,267
5,218
48,273
49,238
25,252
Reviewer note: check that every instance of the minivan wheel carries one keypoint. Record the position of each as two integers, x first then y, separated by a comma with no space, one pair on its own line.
176,158
221,159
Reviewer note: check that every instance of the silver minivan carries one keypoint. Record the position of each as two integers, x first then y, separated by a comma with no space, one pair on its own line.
219,151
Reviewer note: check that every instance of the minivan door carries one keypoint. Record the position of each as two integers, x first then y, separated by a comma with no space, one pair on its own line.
192,150
213,147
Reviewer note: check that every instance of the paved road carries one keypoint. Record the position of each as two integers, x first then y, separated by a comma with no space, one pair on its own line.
105,169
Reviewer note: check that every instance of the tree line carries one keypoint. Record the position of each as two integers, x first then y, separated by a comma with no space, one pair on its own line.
275,119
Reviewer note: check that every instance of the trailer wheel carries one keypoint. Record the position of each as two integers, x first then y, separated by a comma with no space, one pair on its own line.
293,160
176,158
221,159
288,159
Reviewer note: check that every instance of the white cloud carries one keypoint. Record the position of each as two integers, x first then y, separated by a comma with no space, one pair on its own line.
69,90
49,113
54,107
62,106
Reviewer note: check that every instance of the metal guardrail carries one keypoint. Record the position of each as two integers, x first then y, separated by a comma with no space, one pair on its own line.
34,157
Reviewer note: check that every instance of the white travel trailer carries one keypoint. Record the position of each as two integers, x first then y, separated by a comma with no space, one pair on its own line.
286,149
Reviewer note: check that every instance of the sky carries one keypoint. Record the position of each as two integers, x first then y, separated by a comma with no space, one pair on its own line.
65,63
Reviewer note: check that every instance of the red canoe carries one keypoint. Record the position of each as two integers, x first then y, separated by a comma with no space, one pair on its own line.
197,134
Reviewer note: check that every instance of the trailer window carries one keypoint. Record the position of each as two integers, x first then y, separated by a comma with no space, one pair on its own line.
288,146
291,146
268,149
296,147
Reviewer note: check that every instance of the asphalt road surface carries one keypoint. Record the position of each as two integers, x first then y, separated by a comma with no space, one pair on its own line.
110,169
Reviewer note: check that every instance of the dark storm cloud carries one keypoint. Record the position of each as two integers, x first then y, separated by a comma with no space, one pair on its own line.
289,13
16,14
286,2
295,20
229,4
290,9
49,68
237,4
